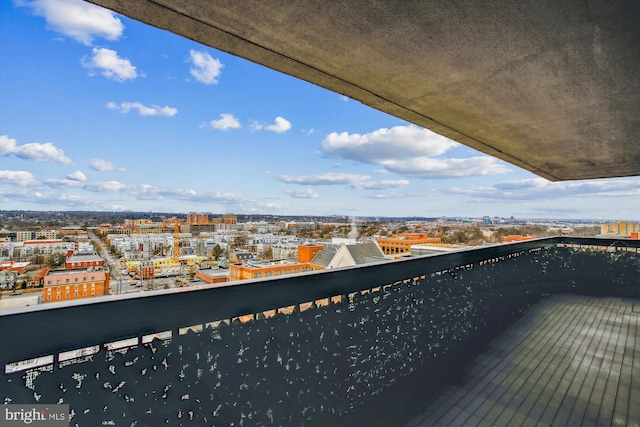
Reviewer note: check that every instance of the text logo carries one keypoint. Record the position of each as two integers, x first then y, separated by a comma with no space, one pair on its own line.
34,415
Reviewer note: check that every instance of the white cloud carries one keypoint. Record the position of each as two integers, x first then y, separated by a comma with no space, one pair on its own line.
33,151
93,186
103,165
409,151
77,19
150,192
281,125
325,179
541,189
111,65
19,178
382,185
359,182
77,176
304,193
56,199
143,110
205,69
425,167
344,98
400,142
226,122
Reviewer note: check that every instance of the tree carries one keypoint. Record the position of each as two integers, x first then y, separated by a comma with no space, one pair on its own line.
267,252
240,241
217,252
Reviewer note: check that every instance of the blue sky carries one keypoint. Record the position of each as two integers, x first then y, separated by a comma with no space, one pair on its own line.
99,112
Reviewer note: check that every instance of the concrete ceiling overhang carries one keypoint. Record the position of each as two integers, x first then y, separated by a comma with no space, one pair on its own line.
552,86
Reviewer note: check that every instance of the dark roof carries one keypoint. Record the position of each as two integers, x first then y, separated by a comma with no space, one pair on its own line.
366,252
324,257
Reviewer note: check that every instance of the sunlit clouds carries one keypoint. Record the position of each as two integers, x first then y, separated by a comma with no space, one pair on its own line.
46,152
204,68
354,181
77,19
19,178
409,151
225,122
302,193
143,110
103,165
280,125
109,64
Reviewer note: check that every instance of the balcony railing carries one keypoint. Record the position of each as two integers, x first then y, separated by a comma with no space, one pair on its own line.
358,345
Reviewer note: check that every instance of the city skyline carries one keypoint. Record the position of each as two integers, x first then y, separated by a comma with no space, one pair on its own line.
100,112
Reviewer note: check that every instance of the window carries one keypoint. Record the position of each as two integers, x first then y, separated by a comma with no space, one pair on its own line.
67,296
278,272
76,279
267,274
48,282
84,294
296,270
58,296
58,282
287,271
67,281
257,275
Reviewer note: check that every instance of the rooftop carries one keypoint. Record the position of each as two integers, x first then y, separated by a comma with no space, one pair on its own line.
74,271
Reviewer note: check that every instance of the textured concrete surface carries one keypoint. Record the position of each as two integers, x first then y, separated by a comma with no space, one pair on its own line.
570,361
550,86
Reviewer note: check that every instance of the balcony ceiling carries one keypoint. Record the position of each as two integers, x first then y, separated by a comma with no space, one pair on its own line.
552,86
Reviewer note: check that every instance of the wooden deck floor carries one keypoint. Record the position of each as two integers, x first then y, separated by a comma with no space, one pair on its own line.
570,361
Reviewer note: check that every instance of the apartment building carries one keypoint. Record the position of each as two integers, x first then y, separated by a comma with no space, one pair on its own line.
67,285
402,242
83,260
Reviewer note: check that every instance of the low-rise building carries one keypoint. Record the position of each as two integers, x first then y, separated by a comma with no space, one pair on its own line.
402,242
213,275
83,260
515,238
67,285
257,270
620,229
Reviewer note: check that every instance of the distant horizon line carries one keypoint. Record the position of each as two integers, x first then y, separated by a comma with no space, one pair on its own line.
366,217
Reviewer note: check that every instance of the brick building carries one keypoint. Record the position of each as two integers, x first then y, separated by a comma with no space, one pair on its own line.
66,285
402,242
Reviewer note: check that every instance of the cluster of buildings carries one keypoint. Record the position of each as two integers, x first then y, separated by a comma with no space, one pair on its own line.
151,249
630,230
83,276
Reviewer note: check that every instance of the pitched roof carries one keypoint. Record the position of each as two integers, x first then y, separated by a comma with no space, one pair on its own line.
367,252
324,257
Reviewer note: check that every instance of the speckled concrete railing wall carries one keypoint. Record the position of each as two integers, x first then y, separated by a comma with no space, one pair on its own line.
361,355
